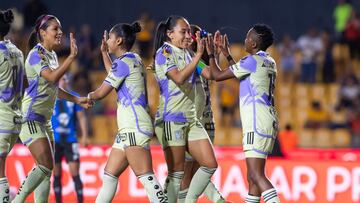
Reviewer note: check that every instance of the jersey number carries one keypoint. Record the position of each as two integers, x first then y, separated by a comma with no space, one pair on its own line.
271,89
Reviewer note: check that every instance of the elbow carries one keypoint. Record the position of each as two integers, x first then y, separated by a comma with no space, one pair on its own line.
53,80
179,81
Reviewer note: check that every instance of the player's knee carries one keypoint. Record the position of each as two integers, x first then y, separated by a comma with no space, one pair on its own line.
254,177
46,161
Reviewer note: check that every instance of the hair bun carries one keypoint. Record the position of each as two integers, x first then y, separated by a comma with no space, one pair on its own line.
8,16
135,27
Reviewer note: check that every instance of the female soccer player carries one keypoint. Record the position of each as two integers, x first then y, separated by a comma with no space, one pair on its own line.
43,72
257,73
175,73
64,120
205,115
11,91
131,147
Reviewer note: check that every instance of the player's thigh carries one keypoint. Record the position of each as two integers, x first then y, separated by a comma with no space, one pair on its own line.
139,159
200,146
175,158
117,162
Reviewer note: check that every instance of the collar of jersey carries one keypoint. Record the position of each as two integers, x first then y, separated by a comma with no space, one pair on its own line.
175,48
262,53
124,54
46,51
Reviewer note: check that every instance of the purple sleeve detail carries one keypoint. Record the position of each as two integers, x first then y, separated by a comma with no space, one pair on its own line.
248,63
34,58
170,68
120,68
43,68
108,83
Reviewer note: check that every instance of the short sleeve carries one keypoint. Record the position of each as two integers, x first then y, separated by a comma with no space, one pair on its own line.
244,67
119,71
37,62
165,59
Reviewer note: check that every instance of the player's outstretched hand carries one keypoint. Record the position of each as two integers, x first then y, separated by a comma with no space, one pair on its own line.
210,47
200,44
73,46
104,47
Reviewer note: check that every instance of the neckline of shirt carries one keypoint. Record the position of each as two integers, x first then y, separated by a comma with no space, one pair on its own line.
175,47
47,51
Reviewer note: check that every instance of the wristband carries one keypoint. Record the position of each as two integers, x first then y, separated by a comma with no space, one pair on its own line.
211,56
229,58
88,96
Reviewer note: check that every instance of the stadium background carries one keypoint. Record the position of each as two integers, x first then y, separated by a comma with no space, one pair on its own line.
317,162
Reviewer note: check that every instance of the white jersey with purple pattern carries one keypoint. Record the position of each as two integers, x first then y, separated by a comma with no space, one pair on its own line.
39,99
177,103
203,103
11,84
128,79
257,75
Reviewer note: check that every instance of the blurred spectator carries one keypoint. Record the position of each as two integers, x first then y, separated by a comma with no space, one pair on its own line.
352,35
317,116
87,46
287,49
310,46
145,37
328,67
355,128
288,139
228,102
32,10
349,92
341,15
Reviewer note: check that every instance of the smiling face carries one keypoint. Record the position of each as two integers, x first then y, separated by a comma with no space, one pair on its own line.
52,34
180,35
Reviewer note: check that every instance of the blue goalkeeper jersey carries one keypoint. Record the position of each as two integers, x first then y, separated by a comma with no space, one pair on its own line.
64,120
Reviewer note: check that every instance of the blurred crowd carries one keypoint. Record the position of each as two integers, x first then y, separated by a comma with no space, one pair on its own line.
326,57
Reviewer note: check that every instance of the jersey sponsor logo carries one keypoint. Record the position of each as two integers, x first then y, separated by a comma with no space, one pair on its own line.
209,126
63,119
268,64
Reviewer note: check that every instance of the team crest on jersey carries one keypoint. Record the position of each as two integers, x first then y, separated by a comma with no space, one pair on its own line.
167,51
179,135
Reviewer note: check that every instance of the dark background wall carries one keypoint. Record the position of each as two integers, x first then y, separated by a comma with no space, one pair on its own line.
232,16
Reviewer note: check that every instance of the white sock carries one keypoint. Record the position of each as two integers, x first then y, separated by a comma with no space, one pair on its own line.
182,195
4,190
213,194
42,191
33,179
252,199
198,183
172,185
270,196
153,188
108,189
